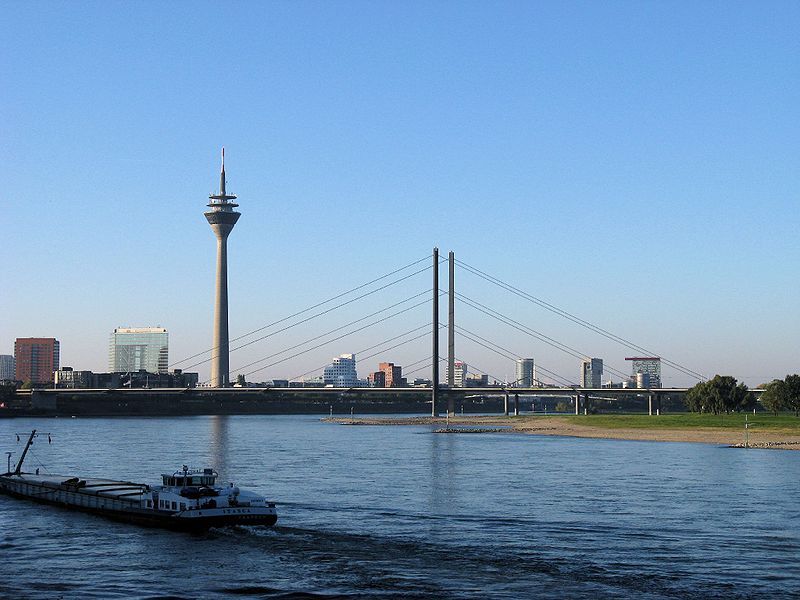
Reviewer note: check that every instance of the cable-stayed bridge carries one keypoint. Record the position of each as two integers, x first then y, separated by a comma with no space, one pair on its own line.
393,319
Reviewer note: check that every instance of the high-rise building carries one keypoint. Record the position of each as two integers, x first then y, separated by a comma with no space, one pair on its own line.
459,372
592,373
393,374
646,371
138,349
525,373
36,359
7,367
342,372
377,379
222,218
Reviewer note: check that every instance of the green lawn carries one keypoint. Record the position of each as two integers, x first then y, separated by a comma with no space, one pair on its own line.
762,421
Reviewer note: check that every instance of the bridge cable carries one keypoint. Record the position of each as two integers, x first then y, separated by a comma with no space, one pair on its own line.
474,304
334,330
310,308
307,319
588,325
373,347
331,340
553,374
539,367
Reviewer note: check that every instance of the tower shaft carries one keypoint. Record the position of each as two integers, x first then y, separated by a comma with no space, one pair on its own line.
220,355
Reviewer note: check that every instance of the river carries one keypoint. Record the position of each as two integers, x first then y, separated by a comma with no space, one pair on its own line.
401,512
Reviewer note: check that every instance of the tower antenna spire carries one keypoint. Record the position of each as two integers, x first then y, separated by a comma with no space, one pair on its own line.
222,175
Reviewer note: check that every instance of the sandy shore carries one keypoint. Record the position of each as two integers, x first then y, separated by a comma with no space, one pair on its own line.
560,426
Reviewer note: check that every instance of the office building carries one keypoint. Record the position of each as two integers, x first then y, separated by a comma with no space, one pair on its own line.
377,379
342,372
35,359
67,377
7,367
592,373
138,349
646,371
525,373
394,374
475,380
460,373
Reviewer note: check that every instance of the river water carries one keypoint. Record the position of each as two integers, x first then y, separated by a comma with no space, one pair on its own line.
401,512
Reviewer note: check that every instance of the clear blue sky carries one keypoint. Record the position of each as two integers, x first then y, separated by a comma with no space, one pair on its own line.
635,163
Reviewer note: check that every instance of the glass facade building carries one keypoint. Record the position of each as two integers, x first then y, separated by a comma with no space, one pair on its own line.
134,349
525,373
592,373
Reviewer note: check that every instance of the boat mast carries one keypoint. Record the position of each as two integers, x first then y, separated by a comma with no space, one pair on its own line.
24,452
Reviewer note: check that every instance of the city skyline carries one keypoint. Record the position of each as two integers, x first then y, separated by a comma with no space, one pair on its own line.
521,138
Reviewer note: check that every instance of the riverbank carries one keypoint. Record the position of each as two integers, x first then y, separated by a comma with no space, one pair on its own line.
764,431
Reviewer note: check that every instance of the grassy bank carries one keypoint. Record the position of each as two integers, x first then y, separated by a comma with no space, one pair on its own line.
759,422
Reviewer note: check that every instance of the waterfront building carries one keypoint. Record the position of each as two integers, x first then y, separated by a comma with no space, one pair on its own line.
7,367
459,371
222,218
377,379
474,380
393,374
138,349
646,365
67,377
592,373
144,379
342,372
35,359
525,373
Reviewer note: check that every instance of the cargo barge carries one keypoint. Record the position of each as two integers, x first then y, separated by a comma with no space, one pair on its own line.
188,499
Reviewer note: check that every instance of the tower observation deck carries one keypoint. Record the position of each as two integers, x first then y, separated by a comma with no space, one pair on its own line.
222,217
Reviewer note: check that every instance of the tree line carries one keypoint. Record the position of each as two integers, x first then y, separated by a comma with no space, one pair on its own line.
723,394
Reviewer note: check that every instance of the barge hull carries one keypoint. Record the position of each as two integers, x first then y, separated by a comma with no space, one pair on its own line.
148,517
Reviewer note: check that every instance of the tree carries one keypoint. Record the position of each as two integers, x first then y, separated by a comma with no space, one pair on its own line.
774,398
240,380
27,385
718,395
792,383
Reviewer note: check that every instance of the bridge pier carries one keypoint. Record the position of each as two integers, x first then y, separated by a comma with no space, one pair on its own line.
505,404
516,405
435,336
451,334
577,398
650,398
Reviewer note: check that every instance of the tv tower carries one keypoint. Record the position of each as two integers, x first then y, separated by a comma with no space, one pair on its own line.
222,218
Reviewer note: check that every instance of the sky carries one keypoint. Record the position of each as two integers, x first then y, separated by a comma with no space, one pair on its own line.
632,163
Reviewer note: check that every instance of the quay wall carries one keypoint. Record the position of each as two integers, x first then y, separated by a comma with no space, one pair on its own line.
224,402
